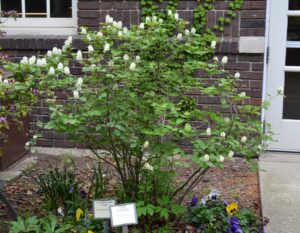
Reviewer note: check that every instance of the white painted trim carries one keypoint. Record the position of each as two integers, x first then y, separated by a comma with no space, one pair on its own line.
293,13
293,44
265,72
42,26
292,69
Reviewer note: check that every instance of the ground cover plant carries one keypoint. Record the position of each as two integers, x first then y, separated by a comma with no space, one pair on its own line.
134,100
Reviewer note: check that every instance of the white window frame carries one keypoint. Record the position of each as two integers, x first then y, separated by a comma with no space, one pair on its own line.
41,26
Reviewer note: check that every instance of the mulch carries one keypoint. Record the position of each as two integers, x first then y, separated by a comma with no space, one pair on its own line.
235,182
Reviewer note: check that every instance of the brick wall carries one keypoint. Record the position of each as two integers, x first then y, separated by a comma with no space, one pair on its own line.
250,22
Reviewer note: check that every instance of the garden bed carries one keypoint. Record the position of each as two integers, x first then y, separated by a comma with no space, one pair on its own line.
236,182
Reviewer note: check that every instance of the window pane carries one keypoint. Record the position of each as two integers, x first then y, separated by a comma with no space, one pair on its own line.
292,57
9,5
294,5
294,29
291,103
61,9
35,8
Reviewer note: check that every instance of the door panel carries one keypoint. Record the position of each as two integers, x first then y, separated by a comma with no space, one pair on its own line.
284,71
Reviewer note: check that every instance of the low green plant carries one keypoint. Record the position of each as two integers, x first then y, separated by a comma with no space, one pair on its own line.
49,224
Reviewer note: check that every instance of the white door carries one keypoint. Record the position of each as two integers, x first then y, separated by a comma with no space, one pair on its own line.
283,70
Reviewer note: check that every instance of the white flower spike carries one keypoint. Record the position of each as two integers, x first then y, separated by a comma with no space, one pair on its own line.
76,94
126,57
213,44
142,26
206,158
208,131
60,66
176,16
32,60
67,70
51,71
24,60
106,47
179,36
132,66
230,154
221,158
237,75
90,49
223,135
79,55
243,139
224,60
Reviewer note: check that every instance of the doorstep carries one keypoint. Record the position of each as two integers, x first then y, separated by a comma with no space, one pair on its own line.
279,178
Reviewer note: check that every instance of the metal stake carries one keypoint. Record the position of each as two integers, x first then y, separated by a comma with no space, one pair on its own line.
105,225
124,229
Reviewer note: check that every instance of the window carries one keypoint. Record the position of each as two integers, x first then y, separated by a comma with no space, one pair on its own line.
41,16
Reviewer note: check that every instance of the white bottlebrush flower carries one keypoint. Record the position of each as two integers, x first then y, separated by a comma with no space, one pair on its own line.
208,131
216,59
193,31
148,19
187,32
242,94
32,60
79,55
179,36
88,37
147,166
132,66
79,83
176,16
259,147
76,94
213,44
55,51
59,51
125,30
83,31
243,139
126,57
1,78
5,81
106,47
224,60
206,158
115,24
110,63
137,58
221,158
120,24
109,19
66,45
142,26
115,87
120,33
70,39
34,137
60,66
223,135
227,120
170,13
24,60
27,145
44,61
280,91
100,34
60,212
146,145
51,71
49,53
230,154
237,75
90,48
160,20
67,70
39,62
154,18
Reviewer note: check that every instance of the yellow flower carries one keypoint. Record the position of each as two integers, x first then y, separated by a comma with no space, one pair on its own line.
79,213
89,231
91,215
232,208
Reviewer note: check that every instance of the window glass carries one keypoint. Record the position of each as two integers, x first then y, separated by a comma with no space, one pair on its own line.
293,29
35,8
61,9
9,5
292,57
291,103
294,5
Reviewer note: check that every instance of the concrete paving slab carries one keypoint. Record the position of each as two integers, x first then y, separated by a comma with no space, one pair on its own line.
280,188
17,169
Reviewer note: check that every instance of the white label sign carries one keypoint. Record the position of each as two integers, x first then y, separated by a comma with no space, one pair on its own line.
123,215
101,208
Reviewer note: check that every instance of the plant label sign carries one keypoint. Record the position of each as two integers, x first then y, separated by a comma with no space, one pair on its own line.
101,208
123,215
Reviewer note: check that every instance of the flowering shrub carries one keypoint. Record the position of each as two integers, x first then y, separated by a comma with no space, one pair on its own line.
214,215
134,100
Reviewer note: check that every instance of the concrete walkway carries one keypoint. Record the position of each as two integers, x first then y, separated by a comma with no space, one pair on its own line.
279,177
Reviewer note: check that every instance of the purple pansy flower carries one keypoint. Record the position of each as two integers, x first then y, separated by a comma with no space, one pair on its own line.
194,202
83,194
